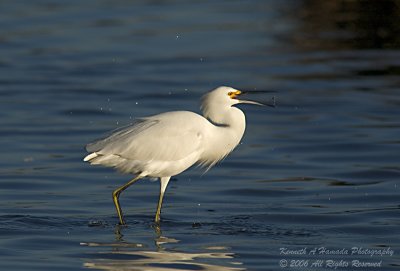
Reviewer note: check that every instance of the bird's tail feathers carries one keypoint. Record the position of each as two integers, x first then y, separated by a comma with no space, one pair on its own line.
90,156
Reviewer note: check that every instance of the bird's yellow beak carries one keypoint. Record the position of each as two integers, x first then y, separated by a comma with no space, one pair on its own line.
234,94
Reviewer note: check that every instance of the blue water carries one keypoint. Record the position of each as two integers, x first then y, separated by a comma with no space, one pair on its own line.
318,173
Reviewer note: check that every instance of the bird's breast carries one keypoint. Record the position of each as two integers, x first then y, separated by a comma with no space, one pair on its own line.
219,143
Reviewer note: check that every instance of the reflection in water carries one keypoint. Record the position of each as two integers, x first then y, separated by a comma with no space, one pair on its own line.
132,256
344,24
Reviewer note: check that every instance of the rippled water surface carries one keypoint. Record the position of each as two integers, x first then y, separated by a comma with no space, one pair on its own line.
315,179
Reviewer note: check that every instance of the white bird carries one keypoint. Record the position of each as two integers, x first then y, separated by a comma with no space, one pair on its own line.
164,145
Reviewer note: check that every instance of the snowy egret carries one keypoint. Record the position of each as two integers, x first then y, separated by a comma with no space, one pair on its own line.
166,144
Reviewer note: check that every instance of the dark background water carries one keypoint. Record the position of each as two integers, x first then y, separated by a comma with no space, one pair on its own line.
320,170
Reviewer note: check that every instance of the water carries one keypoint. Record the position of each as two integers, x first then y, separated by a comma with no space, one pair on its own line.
319,171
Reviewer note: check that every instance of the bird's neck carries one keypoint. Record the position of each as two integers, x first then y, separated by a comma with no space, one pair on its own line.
228,116
228,129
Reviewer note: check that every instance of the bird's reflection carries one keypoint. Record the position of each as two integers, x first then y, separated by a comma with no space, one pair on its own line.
137,256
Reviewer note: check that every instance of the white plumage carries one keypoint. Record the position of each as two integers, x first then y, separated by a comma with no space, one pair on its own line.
166,144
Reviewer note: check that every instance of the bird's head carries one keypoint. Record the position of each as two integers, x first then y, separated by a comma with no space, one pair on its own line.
226,96
221,98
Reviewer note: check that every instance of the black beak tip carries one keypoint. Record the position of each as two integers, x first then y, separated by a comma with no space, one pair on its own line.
258,91
273,99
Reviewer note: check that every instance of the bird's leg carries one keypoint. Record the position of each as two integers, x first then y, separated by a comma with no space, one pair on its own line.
118,234
116,194
158,213
163,186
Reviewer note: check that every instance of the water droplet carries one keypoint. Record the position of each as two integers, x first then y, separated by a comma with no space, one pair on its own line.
97,223
196,225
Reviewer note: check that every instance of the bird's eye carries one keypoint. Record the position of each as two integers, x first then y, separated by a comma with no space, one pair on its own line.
230,93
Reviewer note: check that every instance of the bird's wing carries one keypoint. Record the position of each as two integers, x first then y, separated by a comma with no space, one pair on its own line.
120,135
163,139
